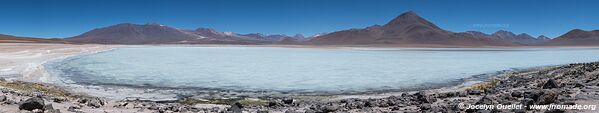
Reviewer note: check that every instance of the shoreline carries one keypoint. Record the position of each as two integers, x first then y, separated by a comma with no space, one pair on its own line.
471,94
356,46
157,93
304,103
27,60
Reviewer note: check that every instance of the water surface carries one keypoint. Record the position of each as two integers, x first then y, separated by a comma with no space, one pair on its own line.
300,70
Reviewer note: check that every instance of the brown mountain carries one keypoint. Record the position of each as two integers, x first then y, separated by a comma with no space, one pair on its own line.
576,37
16,39
159,34
406,29
134,34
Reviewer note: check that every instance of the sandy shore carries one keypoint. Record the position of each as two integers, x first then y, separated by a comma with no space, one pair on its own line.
23,61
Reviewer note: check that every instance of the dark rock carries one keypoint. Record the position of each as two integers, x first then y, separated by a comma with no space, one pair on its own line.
447,95
547,97
486,100
59,99
568,103
310,111
215,109
579,85
527,102
517,94
287,101
404,94
92,102
425,107
534,94
74,108
369,103
32,103
475,92
355,105
153,106
83,100
423,98
550,84
184,110
95,103
330,108
121,104
53,111
274,104
236,107
395,108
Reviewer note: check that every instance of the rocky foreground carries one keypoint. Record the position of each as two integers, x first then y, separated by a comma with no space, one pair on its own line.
562,85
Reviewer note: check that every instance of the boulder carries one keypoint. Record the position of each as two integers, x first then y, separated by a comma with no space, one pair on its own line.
534,94
475,92
425,107
517,94
547,97
48,107
423,98
236,107
550,84
355,105
59,99
485,100
74,108
92,102
95,103
330,108
287,101
53,111
2,98
32,103
579,85
273,104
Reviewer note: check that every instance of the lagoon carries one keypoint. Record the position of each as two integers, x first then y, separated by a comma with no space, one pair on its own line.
301,70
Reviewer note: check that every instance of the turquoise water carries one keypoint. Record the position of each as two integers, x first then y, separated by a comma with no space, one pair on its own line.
299,69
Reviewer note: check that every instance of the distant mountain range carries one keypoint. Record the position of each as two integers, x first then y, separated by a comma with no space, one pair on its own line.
522,38
160,34
408,29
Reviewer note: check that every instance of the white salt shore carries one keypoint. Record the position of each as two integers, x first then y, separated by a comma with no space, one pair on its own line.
24,62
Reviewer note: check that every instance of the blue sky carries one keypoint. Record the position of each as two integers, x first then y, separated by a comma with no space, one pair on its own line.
66,18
